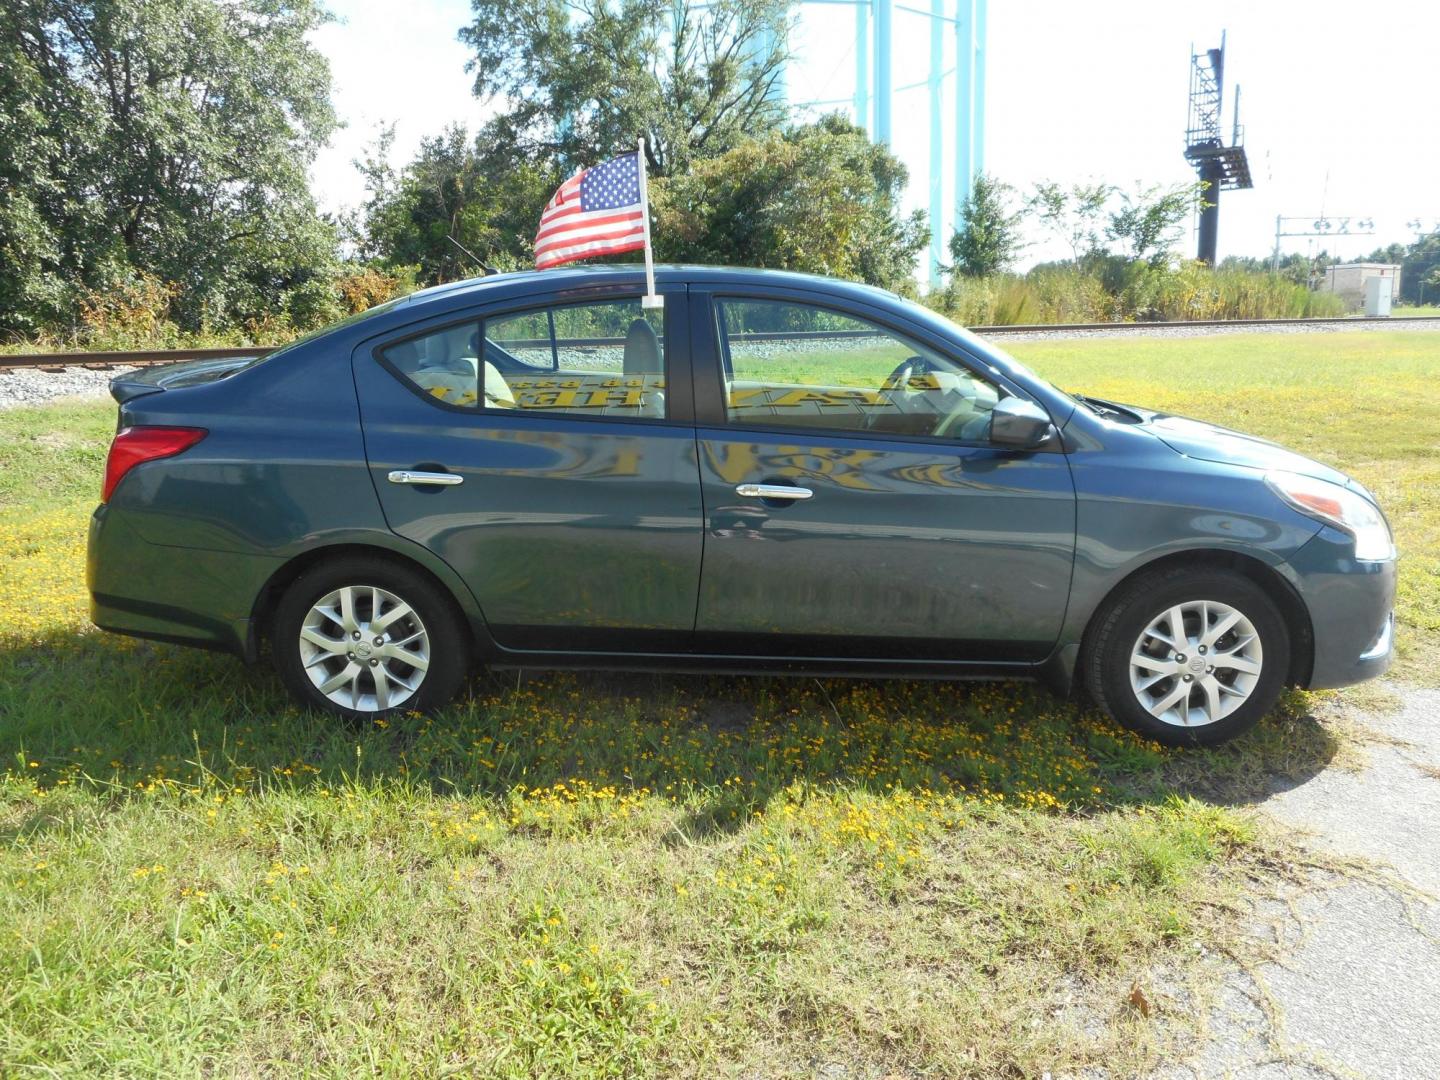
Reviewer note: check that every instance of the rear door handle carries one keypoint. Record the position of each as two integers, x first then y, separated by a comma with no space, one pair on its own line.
772,491
439,479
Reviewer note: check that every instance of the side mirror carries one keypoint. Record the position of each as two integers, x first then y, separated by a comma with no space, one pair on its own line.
1019,424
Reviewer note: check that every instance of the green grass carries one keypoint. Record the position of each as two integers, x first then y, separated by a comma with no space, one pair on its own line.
1415,310
605,876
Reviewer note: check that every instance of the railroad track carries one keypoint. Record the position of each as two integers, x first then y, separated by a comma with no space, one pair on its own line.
59,361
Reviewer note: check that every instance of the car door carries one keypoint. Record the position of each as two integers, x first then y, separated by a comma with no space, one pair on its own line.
539,449
853,504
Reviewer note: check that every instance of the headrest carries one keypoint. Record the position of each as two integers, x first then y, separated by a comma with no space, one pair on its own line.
642,349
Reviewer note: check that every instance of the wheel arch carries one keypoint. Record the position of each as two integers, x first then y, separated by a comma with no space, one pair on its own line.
263,610
1291,607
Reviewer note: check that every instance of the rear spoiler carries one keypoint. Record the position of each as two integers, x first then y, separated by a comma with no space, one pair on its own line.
152,380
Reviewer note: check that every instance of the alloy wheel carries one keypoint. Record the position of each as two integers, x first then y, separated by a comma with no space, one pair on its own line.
1196,663
364,648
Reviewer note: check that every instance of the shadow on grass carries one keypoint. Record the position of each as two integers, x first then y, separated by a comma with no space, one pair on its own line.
99,710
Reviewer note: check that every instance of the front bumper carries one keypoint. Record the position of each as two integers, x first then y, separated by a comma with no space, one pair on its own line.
184,595
1351,606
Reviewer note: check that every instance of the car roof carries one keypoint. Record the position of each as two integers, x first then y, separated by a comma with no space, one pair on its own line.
442,300
578,277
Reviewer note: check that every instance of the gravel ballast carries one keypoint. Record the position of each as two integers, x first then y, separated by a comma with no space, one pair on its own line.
20,388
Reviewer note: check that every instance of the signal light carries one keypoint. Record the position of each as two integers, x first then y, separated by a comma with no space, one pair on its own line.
136,445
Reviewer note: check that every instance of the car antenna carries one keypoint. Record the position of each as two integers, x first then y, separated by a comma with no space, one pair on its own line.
478,261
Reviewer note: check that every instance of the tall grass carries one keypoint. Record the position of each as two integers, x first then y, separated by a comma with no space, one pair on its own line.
1115,291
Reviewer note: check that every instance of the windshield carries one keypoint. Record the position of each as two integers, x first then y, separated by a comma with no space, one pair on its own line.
985,349
1009,364
1029,373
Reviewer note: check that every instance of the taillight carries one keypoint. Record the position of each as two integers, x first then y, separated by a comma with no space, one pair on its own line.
135,445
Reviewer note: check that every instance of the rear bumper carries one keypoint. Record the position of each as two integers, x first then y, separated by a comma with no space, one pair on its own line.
183,595
1351,606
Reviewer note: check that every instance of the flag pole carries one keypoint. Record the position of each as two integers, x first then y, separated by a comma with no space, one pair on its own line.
651,299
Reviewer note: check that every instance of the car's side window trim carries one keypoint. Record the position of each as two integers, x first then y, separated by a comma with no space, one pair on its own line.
554,344
713,414
675,330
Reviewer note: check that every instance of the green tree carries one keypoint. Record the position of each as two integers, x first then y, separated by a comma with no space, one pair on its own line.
444,197
582,78
1074,215
820,198
456,191
1148,220
988,240
169,138
1419,270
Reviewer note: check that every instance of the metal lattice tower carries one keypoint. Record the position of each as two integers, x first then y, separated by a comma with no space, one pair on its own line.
1221,167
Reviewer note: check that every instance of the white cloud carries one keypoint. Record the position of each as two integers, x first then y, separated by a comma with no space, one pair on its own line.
391,62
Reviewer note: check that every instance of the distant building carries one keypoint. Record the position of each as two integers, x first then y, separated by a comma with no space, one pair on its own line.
1347,281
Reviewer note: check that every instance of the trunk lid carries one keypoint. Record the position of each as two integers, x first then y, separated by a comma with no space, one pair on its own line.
152,380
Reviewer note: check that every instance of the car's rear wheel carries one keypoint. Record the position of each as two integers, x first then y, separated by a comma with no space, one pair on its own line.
367,637
1188,657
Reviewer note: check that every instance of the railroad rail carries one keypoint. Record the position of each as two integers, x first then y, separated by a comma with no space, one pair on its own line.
59,361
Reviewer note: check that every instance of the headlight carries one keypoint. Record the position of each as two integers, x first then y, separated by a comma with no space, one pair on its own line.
1339,506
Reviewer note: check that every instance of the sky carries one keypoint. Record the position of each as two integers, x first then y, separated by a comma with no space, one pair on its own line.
1338,105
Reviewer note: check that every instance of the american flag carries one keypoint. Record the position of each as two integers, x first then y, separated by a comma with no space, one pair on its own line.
598,211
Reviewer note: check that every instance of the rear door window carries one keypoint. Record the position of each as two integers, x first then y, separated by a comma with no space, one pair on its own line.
601,359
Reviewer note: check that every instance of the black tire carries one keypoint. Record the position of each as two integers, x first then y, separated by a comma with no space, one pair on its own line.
443,625
1105,660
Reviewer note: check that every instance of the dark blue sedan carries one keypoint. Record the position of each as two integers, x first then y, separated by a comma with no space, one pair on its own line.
768,472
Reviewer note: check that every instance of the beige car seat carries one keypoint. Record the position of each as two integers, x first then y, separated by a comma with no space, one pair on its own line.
455,387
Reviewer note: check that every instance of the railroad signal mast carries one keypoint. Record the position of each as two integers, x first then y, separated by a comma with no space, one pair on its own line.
1318,226
1220,167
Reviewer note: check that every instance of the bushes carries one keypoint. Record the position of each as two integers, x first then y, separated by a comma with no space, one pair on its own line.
364,287
1113,289
131,309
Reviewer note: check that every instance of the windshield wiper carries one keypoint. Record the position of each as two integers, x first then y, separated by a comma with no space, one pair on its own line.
1108,408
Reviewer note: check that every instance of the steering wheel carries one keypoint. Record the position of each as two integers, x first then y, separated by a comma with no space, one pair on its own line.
906,370
960,393
897,385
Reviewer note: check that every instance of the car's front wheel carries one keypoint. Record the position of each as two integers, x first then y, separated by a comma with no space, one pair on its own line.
1188,657
367,637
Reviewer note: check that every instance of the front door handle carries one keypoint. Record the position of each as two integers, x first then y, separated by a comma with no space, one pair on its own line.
772,491
439,479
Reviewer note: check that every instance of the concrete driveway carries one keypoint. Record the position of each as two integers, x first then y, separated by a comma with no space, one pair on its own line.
1349,983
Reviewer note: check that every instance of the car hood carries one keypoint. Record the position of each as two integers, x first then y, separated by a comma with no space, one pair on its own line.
1210,442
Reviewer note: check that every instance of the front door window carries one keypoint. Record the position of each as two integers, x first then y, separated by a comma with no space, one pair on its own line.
790,365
